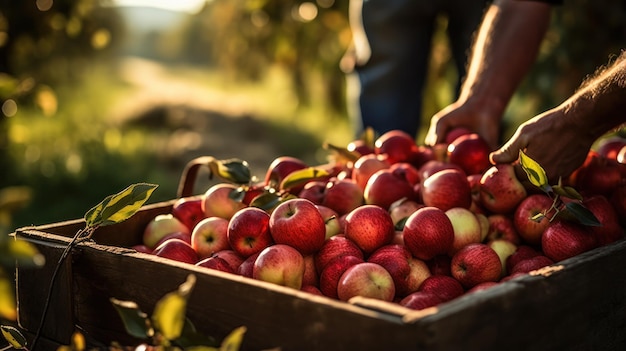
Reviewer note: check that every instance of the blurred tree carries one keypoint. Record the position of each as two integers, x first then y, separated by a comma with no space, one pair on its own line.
245,38
43,43
584,35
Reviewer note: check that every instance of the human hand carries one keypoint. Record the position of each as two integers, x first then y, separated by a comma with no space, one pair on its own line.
464,115
550,139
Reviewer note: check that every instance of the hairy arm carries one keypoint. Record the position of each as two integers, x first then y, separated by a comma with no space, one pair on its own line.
505,48
560,139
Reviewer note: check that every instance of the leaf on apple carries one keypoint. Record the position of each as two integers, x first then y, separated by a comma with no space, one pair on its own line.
233,340
119,207
582,214
232,170
135,321
302,176
14,337
567,191
536,174
342,153
169,312
266,201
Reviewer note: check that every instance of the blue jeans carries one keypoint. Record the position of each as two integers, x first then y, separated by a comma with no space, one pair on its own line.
391,78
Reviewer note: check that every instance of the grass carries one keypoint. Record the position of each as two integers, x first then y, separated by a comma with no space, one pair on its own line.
104,137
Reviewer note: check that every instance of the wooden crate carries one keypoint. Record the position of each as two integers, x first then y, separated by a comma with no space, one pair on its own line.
577,304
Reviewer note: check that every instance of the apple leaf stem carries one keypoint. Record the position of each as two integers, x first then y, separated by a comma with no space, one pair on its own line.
113,209
573,210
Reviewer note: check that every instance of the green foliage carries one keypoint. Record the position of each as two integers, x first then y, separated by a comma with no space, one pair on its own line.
168,325
570,210
119,207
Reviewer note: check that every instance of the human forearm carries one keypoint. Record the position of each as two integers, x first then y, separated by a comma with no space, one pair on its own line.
506,46
599,104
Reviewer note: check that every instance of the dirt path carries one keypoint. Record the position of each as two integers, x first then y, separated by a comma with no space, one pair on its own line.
193,120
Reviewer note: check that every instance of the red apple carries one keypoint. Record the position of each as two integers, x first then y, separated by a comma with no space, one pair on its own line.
475,264
386,187
334,247
440,265
407,171
247,265
160,226
313,191
428,232
564,239
210,236
368,280
332,272
500,190
280,168
222,200
431,167
367,165
618,201
299,224
231,257
470,152
528,229
310,276
443,286
142,248
188,210
312,290
249,231
446,189
360,146
609,147
610,230
466,227
342,195
178,250
420,300
600,176
407,272
397,145
531,264
216,263
521,253
280,264
184,236
370,227
421,155
502,227
453,134
621,155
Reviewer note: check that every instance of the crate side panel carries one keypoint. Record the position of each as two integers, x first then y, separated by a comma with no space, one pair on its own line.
581,307
220,303
33,284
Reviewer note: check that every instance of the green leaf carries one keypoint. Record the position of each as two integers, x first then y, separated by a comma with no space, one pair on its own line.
22,252
169,313
191,339
582,214
302,176
342,152
8,308
266,201
232,170
536,174
14,337
567,191
232,342
121,206
135,321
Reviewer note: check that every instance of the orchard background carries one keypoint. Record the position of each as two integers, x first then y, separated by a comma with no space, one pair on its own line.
95,97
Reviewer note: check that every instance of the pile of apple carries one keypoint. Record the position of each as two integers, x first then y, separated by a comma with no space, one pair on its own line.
393,220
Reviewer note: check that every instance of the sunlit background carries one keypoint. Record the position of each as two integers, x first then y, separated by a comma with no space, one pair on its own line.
98,94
